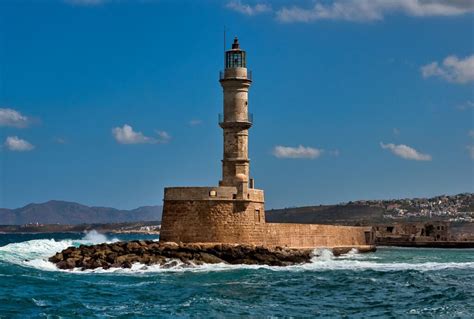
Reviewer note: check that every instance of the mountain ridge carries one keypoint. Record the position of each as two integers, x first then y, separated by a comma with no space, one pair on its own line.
458,207
72,213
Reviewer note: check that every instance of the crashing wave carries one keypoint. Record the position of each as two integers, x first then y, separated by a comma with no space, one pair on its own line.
34,253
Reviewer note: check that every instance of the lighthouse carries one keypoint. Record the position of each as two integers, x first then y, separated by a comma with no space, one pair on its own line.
234,211
236,120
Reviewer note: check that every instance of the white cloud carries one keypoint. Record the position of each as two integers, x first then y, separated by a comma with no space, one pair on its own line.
59,140
406,152
470,133
452,69
296,152
10,117
14,143
195,122
248,9
126,135
163,137
470,149
373,10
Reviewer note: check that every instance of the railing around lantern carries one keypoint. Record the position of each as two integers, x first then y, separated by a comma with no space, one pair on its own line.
249,119
222,75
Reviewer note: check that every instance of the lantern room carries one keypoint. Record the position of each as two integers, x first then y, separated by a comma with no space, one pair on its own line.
235,58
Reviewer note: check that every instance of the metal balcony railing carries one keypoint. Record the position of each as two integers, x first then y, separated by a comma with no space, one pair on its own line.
249,75
249,119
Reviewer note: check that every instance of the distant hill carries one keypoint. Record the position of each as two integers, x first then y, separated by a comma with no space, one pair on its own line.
328,214
61,212
457,208
453,208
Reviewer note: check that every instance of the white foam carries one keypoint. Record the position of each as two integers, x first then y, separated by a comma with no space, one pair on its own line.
32,249
35,254
94,237
324,260
355,261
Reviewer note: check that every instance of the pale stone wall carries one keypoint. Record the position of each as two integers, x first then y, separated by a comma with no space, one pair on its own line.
191,215
313,235
235,101
236,122
221,193
212,221
237,73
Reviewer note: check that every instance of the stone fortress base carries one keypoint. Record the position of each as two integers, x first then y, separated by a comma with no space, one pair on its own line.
215,215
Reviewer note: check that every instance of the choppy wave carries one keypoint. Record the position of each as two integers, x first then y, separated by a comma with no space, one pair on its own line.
34,253
94,237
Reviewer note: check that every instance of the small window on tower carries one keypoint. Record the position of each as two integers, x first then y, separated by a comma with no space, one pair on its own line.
212,193
257,215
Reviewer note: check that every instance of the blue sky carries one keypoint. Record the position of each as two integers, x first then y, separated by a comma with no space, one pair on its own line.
107,102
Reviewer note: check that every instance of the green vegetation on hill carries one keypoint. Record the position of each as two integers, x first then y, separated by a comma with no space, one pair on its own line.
328,214
453,208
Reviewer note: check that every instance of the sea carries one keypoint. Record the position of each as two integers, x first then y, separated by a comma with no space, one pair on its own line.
390,283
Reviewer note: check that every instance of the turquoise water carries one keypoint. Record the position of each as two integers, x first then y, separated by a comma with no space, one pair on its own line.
392,283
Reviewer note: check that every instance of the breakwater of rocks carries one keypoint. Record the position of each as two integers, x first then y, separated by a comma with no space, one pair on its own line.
124,254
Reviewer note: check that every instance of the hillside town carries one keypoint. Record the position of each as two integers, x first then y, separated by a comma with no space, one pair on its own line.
453,208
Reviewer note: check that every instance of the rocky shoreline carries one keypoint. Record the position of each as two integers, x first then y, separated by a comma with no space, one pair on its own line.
125,254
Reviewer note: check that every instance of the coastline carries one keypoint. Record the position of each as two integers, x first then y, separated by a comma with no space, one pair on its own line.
434,244
460,244
137,232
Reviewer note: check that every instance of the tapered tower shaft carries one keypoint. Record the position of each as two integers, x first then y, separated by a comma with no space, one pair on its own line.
235,120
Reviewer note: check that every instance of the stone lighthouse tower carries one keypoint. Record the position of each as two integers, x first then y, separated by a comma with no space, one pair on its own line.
234,211
236,121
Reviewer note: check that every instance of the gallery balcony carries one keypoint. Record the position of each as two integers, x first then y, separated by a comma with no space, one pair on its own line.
244,122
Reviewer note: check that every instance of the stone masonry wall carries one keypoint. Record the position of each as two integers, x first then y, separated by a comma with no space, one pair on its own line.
236,222
314,235
212,221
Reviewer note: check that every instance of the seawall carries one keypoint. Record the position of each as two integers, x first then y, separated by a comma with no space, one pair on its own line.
212,215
